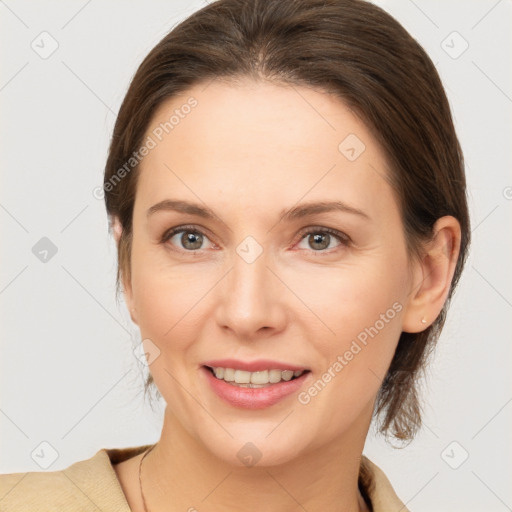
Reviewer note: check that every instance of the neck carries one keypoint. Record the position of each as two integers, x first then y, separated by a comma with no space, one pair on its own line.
181,474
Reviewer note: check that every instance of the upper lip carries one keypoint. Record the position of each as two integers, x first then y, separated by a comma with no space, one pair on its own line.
252,366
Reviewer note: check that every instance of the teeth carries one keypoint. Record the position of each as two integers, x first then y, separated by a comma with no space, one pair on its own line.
274,376
255,379
287,375
259,377
229,374
242,377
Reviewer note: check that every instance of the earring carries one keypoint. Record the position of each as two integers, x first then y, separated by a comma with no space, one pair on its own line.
423,320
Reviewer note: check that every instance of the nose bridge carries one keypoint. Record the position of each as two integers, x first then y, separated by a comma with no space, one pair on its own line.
250,299
249,277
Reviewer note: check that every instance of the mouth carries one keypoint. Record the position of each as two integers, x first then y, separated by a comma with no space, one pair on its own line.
258,379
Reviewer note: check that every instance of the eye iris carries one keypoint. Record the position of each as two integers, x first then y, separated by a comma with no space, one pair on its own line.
194,238
322,239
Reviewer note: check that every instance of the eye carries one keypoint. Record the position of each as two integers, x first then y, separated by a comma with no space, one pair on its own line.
320,239
190,238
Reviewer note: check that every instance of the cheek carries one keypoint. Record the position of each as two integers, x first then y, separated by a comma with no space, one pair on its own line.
346,300
358,310
167,297
363,308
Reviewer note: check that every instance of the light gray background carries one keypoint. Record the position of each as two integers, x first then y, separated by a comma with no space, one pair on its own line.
68,373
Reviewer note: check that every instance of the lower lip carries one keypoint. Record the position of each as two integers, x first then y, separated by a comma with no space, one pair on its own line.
253,398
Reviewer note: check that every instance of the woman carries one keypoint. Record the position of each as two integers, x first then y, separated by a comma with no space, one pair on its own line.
287,193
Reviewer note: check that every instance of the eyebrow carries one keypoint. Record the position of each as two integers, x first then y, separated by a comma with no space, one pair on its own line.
296,212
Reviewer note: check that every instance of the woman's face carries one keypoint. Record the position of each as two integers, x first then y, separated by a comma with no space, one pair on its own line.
263,277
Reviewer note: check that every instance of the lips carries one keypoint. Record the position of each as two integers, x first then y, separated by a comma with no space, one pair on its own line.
253,398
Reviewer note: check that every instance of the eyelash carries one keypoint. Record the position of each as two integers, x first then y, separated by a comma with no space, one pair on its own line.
342,238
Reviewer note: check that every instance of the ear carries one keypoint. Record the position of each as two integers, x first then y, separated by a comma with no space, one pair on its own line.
117,228
432,275
117,231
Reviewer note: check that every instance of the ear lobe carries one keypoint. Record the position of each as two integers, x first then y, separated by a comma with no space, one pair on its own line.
116,228
128,298
432,275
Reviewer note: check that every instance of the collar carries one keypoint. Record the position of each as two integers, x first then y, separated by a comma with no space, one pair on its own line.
91,485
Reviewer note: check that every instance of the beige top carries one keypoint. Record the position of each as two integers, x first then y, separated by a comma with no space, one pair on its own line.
91,485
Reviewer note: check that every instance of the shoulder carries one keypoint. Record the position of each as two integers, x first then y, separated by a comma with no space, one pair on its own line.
86,485
379,488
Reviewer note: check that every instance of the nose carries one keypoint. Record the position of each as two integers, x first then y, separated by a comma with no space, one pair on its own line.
251,298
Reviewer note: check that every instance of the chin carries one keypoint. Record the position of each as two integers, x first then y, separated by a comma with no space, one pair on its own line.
246,451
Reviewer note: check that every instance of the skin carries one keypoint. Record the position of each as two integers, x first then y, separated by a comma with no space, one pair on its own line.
248,151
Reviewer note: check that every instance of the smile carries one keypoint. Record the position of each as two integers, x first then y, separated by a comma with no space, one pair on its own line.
258,395
258,379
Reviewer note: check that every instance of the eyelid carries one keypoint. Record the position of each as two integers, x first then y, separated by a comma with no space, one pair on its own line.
343,237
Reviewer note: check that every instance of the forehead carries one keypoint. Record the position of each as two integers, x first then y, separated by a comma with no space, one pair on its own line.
255,143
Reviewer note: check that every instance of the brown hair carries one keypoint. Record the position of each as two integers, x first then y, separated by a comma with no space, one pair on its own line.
349,48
